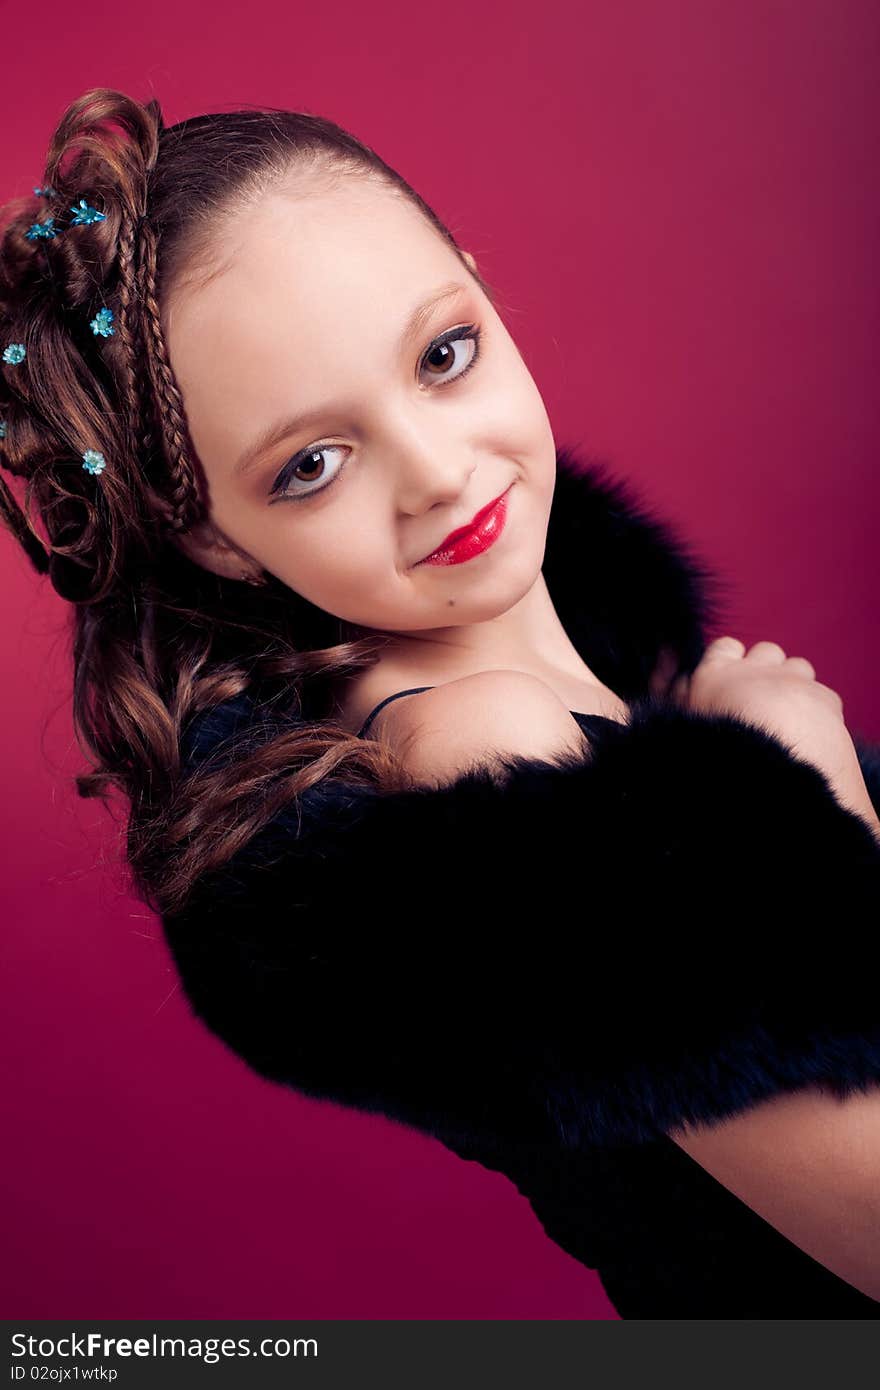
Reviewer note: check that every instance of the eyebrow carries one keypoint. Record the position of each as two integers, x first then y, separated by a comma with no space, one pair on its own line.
273,434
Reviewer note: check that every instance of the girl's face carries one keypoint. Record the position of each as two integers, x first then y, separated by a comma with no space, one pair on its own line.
341,440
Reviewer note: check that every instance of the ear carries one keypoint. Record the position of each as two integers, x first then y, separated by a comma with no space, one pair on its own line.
207,546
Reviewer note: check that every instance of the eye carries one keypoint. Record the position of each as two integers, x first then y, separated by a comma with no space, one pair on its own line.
306,459
440,349
439,355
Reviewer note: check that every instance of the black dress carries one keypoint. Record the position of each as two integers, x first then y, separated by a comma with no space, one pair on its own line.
610,992
661,1232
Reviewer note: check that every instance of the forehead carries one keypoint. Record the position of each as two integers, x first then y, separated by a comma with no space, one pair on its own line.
303,256
307,305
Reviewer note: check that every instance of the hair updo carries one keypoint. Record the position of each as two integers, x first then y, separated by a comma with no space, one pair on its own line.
158,639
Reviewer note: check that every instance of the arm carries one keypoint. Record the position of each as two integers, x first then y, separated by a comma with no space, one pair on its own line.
868,757
810,1165
510,712
854,796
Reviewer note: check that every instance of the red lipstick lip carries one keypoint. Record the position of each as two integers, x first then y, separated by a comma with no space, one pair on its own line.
464,531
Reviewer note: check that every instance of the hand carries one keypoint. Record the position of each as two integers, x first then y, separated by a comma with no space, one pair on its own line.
781,695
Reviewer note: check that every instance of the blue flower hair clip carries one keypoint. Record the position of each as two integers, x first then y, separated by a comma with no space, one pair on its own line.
100,324
83,214
93,461
46,230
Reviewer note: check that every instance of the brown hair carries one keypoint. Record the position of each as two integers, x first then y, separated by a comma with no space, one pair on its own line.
157,638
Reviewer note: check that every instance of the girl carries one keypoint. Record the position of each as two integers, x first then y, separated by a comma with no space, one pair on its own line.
449,809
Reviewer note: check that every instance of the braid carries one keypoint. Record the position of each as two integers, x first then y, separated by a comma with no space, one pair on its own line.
134,339
128,330
185,505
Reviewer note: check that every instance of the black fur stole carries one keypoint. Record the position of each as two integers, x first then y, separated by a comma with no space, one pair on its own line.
592,953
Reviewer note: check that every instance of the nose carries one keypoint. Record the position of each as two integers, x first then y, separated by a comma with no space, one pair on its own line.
431,472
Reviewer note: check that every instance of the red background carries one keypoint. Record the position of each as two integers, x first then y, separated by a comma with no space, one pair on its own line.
678,204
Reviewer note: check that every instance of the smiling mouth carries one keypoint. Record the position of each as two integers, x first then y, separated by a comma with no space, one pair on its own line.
473,539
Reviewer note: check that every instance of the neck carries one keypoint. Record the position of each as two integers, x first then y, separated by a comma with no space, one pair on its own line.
527,637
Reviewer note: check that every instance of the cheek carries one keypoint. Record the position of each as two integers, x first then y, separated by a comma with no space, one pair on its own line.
334,566
512,408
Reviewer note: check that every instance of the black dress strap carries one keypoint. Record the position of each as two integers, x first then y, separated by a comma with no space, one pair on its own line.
413,690
588,722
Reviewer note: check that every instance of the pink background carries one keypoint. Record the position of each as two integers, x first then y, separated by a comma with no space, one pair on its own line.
679,206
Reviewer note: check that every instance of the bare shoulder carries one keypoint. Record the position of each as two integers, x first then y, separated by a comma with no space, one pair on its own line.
809,1164
472,722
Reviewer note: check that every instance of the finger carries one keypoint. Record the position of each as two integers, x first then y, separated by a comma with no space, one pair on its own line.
801,666
766,653
726,646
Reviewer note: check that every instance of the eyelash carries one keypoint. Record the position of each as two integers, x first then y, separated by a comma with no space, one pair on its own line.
452,335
